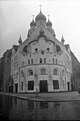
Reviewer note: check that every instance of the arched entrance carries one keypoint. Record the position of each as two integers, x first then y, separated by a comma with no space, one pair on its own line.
43,86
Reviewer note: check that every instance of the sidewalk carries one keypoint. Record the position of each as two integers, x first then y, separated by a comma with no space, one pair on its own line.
59,96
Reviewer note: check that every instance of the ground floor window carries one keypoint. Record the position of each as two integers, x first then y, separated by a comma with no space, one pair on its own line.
55,84
30,85
21,85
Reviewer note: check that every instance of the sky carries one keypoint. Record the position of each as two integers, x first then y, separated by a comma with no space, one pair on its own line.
16,15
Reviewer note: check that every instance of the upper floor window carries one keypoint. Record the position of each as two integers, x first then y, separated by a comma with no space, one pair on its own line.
55,71
53,60
36,49
44,60
56,61
43,71
40,60
58,48
22,73
28,62
63,72
48,49
30,72
31,61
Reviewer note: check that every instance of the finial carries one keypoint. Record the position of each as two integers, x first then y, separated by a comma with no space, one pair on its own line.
20,39
48,16
40,7
33,17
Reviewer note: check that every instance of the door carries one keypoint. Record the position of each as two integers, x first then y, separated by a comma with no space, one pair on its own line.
16,87
43,86
68,84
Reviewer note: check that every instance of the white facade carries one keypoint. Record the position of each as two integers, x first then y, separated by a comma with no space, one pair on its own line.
43,62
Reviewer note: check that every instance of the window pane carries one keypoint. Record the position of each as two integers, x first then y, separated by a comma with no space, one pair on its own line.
43,71
30,72
21,85
55,84
55,71
44,60
30,85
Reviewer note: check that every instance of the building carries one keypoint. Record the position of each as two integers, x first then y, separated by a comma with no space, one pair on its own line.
1,72
6,69
41,61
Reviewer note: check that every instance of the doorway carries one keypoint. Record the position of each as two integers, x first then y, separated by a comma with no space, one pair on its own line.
43,86
16,88
68,84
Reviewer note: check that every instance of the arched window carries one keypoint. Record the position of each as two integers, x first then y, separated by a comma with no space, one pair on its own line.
31,61
56,61
44,60
28,62
63,72
22,73
58,48
55,71
53,60
30,72
40,60
43,71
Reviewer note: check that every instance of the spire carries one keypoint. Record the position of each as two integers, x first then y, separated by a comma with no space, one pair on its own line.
62,39
20,40
40,7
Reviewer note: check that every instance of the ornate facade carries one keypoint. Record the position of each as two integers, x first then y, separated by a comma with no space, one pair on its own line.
41,61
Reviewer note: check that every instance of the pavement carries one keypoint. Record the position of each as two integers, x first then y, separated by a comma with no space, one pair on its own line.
50,97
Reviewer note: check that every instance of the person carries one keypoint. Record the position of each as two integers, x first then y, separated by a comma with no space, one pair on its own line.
37,95
79,90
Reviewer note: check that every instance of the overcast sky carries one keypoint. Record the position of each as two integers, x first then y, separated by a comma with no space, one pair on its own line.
15,18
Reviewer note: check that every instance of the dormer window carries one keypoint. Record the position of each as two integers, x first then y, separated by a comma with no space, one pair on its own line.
25,49
58,48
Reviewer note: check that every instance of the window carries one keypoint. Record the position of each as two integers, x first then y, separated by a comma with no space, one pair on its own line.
55,84
25,49
28,62
48,49
53,60
22,73
40,60
55,72
44,60
30,85
58,48
43,71
36,49
63,72
56,61
30,72
31,61
21,85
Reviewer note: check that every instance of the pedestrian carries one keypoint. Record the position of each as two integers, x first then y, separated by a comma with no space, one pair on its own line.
79,90
37,95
